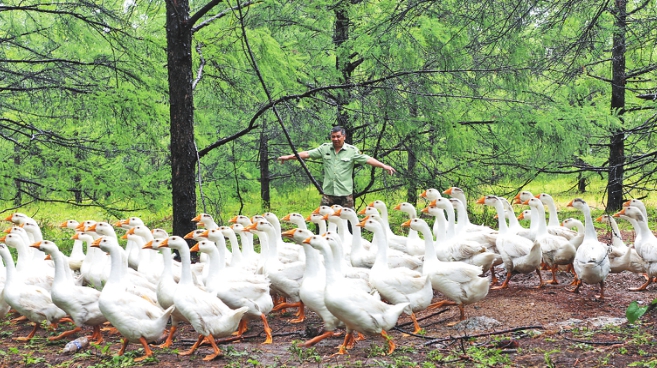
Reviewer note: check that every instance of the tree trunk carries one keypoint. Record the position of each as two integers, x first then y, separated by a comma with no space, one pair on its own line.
18,198
264,171
181,110
340,35
617,144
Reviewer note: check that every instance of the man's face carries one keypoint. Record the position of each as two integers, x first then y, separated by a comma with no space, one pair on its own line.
337,139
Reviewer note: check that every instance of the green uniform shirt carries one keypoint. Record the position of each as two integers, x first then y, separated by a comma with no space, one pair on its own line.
338,168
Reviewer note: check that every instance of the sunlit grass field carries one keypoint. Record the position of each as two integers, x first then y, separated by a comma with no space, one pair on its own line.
305,200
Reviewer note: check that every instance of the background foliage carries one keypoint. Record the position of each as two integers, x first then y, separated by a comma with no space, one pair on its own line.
465,93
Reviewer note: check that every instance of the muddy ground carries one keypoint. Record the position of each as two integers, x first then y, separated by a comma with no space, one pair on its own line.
534,328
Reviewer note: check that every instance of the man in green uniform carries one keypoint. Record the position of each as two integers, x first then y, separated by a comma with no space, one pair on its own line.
339,159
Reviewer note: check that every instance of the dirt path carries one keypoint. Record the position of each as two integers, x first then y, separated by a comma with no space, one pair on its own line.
545,344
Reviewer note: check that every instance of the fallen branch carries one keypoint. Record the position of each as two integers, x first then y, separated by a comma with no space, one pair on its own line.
451,338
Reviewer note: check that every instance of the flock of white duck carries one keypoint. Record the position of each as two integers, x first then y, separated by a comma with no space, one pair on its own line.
350,282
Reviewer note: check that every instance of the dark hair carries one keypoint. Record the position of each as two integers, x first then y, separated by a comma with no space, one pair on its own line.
338,128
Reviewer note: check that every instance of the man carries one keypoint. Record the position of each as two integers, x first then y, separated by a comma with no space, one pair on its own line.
339,159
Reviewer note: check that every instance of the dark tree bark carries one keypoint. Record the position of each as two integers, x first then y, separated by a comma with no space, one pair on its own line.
617,143
264,171
183,150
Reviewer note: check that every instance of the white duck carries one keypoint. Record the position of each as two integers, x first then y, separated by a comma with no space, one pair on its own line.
297,219
398,285
79,302
452,248
519,254
415,245
77,255
556,250
459,282
313,286
31,301
136,319
205,220
209,316
166,289
285,277
236,287
554,225
357,309
622,258
647,248
464,223
592,259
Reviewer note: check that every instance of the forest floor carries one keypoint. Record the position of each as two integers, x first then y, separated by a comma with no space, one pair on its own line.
521,326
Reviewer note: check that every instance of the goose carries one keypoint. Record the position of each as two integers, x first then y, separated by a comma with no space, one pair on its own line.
464,223
234,286
647,248
452,248
430,194
477,233
296,219
237,260
623,258
556,250
400,242
319,221
31,301
554,225
29,270
357,309
77,255
288,251
638,204
313,285
79,302
205,220
395,257
592,258
209,316
285,277
459,282
93,266
398,285
250,258
346,238
136,319
519,254
415,245
166,288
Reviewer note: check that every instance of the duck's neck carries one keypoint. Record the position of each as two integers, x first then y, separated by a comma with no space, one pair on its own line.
462,216
430,257
450,221
589,229
614,227
185,267
116,268
167,259
313,263
501,219
356,239
215,265
9,266
554,217
332,274
61,275
381,260
236,258
539,213
439,225
247,245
